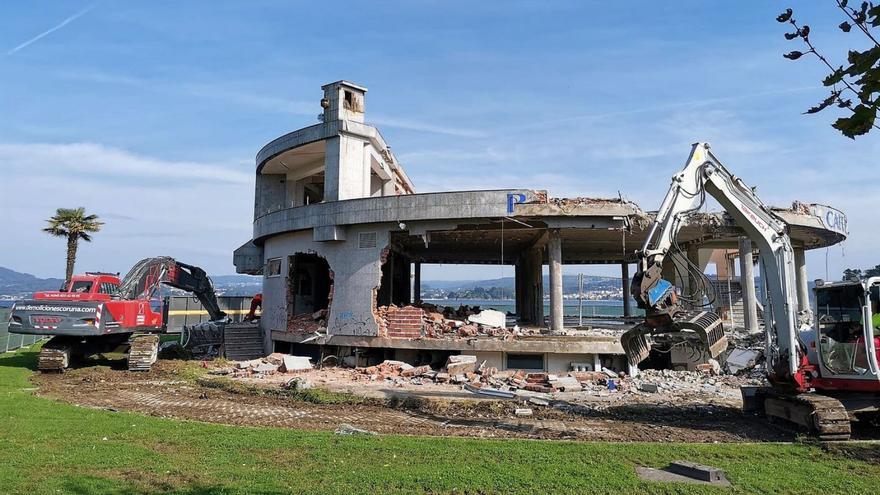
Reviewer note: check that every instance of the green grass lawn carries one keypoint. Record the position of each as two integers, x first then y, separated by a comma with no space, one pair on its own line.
48,447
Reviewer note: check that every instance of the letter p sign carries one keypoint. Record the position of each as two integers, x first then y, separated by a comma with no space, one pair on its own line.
513,199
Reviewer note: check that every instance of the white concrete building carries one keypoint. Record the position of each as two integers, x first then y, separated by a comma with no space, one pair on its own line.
340,237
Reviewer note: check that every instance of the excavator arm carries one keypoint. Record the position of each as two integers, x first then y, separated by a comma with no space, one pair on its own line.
704,175
145,277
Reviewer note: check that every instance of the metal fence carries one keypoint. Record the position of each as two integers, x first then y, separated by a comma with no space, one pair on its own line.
186,310
11,341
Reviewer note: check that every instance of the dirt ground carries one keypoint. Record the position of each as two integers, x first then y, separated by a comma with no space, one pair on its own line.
170,390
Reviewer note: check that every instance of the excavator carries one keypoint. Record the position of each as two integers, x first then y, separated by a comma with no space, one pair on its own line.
97,313
821,364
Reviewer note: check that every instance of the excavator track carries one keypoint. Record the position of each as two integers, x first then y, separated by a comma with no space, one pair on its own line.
143,352
825,416
55,355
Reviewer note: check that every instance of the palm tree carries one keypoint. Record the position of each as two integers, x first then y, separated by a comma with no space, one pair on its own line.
74,224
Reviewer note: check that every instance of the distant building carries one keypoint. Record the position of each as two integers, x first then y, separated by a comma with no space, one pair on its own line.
340,236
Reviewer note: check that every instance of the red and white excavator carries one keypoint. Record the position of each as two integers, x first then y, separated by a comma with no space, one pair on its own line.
97,313
822,364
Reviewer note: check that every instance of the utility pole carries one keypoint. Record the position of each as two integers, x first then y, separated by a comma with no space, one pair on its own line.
580,299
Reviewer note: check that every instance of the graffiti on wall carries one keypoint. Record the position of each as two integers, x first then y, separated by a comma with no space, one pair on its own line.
353,323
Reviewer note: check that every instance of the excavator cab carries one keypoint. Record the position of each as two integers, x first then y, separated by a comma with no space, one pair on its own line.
848,333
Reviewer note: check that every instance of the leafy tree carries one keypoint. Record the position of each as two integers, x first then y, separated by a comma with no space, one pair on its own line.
73,224
857,273
852,273
854,88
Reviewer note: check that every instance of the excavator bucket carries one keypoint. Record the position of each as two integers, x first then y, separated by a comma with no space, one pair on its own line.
706,325
635,343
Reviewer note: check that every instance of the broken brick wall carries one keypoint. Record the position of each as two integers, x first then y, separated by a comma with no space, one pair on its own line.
354,273
407,322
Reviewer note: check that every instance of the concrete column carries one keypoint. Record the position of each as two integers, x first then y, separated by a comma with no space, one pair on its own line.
417,281
536,286
554,249
344,171
388,188
624,279
747,282
803,290
332,158
521,290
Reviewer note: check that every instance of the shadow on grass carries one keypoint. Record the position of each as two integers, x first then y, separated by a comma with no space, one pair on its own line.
27,358
19,359
93,485
709,418
869,453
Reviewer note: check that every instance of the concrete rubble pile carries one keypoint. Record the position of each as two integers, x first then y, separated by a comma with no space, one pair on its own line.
308,322
708,380
459,369
444,322
541,387
260,368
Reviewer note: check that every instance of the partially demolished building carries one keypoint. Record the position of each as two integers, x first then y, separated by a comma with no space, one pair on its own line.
340,236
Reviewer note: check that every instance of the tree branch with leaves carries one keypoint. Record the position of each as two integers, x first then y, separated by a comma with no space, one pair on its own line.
859,81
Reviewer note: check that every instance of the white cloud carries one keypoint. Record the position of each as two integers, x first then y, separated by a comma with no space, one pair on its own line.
195,211
107,162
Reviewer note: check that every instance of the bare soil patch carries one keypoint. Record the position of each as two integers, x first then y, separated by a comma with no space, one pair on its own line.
172,390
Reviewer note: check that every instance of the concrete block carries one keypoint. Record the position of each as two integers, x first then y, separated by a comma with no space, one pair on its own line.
740,359
265,368
698,471
295,363
415,371
567,384
649,387
460,368
461,358
489,318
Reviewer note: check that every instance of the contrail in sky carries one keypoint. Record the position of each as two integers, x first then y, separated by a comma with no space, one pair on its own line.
52,29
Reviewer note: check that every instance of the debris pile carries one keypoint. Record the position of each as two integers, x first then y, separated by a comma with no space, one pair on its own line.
481,379
308,322
459,369
439,322
269,365
689,382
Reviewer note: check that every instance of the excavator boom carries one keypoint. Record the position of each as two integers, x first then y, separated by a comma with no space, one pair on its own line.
702,176
145,277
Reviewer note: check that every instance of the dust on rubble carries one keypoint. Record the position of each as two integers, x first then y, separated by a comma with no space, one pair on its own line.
687,411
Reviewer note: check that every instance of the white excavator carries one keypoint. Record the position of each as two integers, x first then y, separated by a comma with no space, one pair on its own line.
822,364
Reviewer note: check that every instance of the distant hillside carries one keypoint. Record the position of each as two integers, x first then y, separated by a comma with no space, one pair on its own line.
236,279
569,283
13,283
17,284
237,285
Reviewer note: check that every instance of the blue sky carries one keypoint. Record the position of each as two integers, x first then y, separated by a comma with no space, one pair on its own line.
150,113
